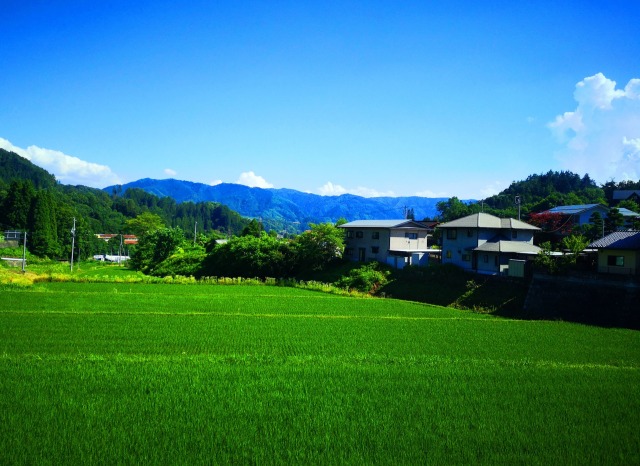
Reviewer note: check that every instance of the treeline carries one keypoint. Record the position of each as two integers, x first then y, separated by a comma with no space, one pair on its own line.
254,253
32,201
539,193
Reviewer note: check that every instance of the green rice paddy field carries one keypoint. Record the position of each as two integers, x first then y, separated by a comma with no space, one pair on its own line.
201,374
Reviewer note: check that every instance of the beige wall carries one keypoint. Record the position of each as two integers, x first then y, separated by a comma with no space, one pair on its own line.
387,239
631,261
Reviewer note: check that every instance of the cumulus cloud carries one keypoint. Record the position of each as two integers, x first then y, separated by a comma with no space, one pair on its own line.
330,189
66,168
215,182
170,172
492,189
253,181
429,193
601,136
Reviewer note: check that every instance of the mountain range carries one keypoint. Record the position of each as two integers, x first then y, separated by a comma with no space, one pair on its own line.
286,208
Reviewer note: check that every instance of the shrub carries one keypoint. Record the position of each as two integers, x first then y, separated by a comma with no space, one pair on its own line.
367,278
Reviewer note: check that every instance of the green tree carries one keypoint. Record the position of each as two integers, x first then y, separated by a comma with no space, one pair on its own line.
44,236
575,244
319,246
154,247
144,223
546,260
254,228
250,256
595,229
614,220
452,209
17,204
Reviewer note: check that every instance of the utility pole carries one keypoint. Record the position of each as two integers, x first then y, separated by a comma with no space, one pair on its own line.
73,241
24,250
195,232
518,201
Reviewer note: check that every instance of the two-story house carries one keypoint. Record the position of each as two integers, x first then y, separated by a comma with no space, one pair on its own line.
394,242
484,243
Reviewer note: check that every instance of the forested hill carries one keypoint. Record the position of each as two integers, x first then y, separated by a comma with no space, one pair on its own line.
541,192
13,167
287,206
32,201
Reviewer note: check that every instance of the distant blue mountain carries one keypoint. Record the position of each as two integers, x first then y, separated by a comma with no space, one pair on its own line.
281,207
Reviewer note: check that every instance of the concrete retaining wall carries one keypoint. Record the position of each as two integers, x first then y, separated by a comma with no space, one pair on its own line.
597,301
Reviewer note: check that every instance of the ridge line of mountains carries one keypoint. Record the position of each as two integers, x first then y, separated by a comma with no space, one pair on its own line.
286,206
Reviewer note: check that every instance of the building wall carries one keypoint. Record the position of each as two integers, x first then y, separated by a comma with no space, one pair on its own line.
368,242
400,241
584,217
631,261
459,251
383,239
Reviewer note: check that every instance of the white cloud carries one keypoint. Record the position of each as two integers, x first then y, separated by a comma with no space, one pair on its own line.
330,189
601,136
170,172
253,181
492,189
429,193
66,168
215,182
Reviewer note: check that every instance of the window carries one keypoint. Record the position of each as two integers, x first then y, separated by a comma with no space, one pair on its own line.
348,252
411,235
359,234
374,249
615,261
514,233
448,254
485,258
375,235
452,234
466,257
469,233
349,234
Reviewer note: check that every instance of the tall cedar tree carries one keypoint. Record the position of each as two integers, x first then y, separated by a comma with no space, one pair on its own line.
44,236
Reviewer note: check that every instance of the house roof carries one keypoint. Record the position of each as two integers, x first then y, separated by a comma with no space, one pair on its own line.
482,220
622,194
627,213
618,240
503,245
574,209
404,223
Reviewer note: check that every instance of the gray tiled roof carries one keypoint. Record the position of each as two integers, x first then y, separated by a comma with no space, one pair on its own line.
620,194
483,220
619,240
383,224
508,246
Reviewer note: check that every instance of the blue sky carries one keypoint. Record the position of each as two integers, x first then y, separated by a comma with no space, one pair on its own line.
455,98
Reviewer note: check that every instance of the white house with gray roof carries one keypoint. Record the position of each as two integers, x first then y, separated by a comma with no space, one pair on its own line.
394,242
485,244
